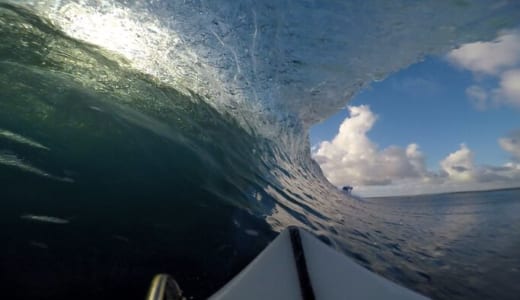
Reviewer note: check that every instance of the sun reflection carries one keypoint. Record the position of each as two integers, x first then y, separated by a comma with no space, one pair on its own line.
149,45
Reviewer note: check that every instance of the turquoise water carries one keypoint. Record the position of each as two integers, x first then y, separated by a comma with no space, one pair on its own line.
138,138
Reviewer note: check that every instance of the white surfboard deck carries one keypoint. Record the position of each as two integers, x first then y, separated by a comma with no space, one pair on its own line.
275,274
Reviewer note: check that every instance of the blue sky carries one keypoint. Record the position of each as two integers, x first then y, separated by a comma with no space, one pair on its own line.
465,97
426,104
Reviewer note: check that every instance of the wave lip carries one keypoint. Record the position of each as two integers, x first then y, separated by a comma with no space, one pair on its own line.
294,63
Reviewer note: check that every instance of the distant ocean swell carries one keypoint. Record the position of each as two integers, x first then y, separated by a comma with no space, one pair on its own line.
140,137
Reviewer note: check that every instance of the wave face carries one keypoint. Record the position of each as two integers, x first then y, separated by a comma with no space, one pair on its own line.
299,61
171,135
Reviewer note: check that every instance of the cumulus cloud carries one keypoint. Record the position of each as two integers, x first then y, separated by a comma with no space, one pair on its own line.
509,89
478,96
489,57
351,158
498,60
511,144
459,165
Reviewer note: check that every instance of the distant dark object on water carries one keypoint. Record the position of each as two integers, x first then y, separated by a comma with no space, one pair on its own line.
347,189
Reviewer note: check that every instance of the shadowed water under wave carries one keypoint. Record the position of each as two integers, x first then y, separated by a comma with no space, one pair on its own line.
155,180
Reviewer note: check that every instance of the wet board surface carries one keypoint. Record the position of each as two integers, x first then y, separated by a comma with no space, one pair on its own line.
297,265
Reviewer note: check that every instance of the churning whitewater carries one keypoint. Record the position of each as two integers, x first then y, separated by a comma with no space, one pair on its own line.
139,137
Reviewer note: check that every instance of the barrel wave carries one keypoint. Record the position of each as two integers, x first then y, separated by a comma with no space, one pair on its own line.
171,136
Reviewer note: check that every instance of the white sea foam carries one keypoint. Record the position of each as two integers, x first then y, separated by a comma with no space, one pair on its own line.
6,134
44,219
11,160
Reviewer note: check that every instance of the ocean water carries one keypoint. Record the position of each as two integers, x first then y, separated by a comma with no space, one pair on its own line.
450,246
139,137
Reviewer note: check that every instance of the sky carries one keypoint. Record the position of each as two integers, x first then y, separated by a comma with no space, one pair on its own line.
446,124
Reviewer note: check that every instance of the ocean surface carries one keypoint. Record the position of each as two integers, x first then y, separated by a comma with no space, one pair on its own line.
139,137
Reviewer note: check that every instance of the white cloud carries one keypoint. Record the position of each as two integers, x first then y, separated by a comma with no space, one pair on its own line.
499,60
511,144
489,57
351,158
459,165
479,96
509,89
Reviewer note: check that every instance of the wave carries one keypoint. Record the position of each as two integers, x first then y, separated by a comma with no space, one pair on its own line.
186,117
84,102
273,68
295,63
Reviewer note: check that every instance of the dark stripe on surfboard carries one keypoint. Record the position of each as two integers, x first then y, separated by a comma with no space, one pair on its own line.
301,265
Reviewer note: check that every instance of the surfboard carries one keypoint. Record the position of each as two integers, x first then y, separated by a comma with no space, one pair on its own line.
297,265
